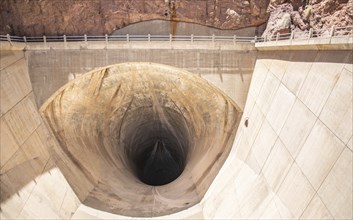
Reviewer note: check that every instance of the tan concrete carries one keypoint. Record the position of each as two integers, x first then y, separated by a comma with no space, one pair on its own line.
305,161
229,67
97,117
28,173
301,169
335,43
162,27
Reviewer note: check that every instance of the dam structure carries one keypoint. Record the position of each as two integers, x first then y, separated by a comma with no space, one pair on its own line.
177,127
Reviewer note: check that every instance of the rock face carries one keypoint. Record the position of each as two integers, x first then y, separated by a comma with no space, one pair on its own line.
299,16
97,17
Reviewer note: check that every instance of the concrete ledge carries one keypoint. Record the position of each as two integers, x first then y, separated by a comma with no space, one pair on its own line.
206,45
15,46
337,43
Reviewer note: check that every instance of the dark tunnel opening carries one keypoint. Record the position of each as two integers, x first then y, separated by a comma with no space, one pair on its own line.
159,164
158,146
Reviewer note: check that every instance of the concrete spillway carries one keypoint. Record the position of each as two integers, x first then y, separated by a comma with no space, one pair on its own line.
142,134
292,159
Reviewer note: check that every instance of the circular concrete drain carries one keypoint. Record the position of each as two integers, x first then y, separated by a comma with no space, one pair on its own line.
141,139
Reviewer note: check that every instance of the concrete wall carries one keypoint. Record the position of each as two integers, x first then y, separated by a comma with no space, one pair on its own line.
293,161
32,187
161,27
229,67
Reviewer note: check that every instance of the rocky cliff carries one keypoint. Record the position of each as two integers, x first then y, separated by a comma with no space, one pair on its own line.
299,16
97,17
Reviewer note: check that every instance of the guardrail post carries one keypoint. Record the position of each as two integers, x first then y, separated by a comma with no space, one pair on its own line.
85,36
332,31
192,38
106,40
310,33
234,39
255,39
127,38
277,36
291,37
213,38
9,39
170,38
149,37
25,40
64,40
45,40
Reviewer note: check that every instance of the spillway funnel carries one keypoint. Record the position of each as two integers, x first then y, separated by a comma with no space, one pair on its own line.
140,139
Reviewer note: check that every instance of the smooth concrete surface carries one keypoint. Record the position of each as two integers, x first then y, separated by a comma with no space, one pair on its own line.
32,186
344,42
162,27
107,118
292,161
229,69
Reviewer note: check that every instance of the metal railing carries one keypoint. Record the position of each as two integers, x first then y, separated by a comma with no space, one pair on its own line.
334,32
309,34
128,38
